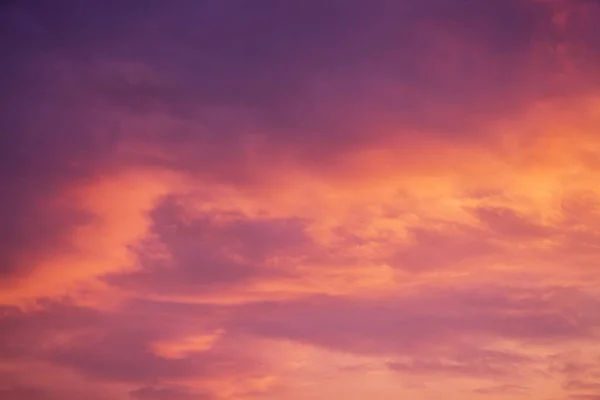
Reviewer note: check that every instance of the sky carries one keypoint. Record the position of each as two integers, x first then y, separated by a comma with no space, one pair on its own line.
300,199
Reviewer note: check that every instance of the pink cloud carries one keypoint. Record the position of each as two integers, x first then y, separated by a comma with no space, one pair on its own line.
218,200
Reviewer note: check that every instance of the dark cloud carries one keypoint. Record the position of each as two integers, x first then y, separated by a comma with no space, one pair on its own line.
438,249
314,77
407,325
20,392
168,393
579,385
21,331
118,346
502,389
213,250
509,223
445,333
120,354
51,139
311,79
472,362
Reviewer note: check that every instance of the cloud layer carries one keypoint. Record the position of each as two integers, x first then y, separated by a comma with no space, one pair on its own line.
242,200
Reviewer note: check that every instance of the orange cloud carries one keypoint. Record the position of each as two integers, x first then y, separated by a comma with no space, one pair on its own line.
308,200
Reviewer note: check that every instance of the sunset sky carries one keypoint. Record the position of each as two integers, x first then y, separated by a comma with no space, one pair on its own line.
300,199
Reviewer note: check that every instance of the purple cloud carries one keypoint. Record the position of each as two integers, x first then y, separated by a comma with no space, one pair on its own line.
413,325
168,393
211,250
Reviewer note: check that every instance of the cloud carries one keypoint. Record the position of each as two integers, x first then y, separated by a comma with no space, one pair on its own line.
161,393
427,322
211,250
473,363
502,389
120,348
576,385
507,222
436,249
243,199
26,393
